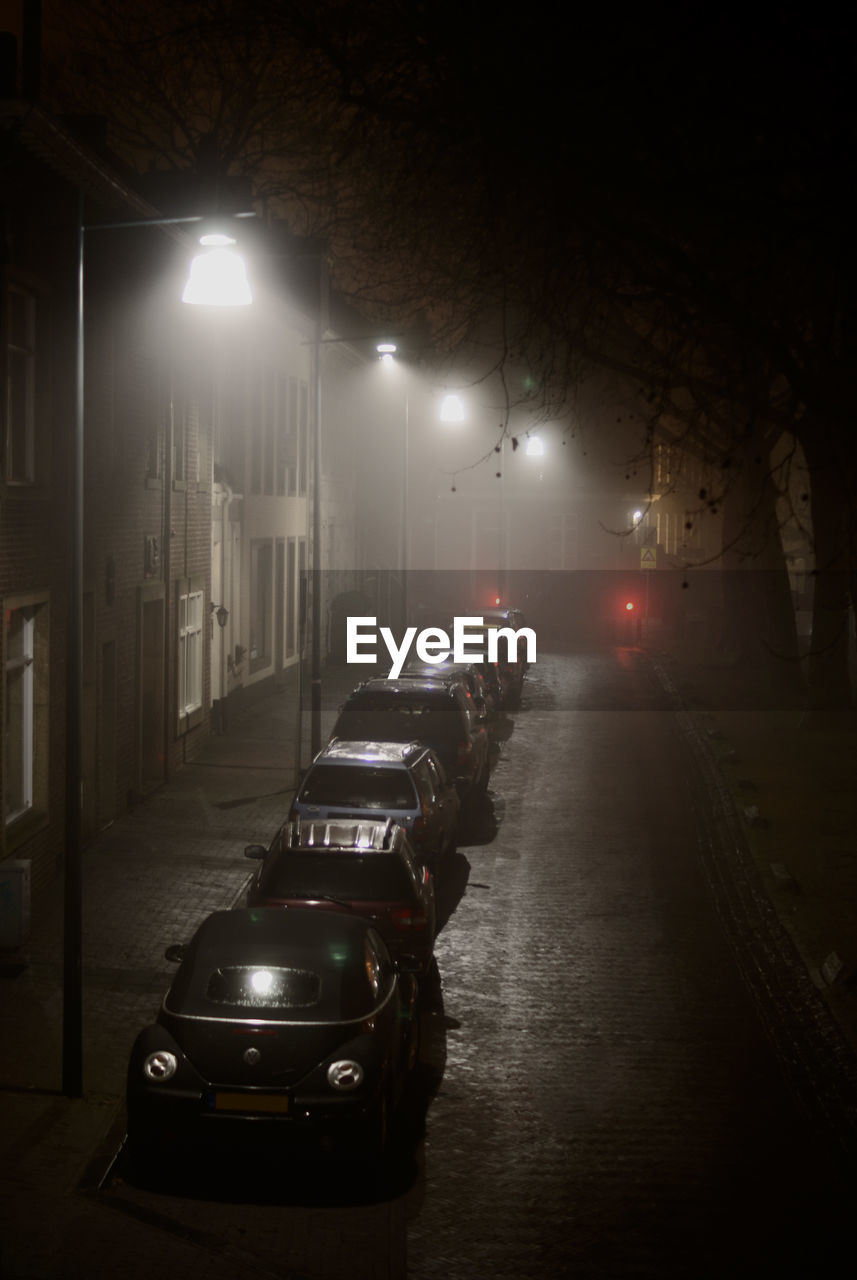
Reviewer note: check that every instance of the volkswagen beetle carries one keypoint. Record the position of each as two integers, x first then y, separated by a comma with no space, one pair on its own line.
280,1026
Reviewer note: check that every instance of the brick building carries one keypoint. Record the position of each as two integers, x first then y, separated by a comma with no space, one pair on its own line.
147,472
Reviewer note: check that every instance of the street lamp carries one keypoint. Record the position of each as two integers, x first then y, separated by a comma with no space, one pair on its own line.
217,262
452,408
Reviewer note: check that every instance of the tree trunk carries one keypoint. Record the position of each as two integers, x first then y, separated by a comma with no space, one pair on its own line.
758,614
828,678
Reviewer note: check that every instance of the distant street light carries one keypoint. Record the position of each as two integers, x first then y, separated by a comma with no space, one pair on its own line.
535,447
452,409
216,274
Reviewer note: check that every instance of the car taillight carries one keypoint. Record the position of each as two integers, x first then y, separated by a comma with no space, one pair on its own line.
407,919
464,751
418,830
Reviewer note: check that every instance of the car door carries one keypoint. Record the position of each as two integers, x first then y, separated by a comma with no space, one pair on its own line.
439,803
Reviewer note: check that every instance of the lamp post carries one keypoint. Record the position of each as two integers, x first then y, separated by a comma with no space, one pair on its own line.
215,260
387,351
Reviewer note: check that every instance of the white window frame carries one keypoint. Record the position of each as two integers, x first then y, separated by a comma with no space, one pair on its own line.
190,654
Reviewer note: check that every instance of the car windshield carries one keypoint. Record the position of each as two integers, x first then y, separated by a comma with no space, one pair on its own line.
263,987
399,719
358,787
352,876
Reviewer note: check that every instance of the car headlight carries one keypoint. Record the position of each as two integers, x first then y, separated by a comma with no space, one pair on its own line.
159,1066
345,1074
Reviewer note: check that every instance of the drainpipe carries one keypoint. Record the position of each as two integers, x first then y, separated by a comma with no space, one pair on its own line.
226,594
168,593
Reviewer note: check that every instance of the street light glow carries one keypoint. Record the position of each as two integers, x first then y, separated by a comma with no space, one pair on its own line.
451,409
535,447
218,276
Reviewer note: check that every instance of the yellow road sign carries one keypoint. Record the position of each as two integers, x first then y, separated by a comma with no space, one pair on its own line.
648,557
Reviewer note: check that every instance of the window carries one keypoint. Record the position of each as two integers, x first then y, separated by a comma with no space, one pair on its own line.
303,418
256,434
261,612
19,460
284,431
26,711
267,431
258,988
190,640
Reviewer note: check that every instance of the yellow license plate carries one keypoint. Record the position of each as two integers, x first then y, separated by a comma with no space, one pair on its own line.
269,1103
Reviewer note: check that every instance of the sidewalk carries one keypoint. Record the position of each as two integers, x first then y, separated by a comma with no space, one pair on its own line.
149,880
795,790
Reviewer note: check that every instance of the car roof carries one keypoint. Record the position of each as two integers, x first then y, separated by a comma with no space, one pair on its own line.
406,686
368,837
297,936
321,942
377,753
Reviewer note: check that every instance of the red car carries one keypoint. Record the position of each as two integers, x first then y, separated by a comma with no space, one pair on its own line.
368,869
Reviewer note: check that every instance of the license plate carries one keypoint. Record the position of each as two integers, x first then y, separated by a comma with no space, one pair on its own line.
267,1103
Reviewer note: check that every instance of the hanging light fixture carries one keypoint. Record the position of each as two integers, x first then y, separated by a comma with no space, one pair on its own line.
218,275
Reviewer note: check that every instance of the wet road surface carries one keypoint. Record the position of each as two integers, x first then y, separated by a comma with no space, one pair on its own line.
603,1099
610,1104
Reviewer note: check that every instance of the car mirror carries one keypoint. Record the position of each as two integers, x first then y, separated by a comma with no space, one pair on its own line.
176,952
255,851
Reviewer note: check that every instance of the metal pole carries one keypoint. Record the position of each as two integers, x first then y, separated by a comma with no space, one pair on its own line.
72,1027
315,676
405,558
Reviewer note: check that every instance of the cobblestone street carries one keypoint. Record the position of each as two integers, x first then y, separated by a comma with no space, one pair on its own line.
602,1096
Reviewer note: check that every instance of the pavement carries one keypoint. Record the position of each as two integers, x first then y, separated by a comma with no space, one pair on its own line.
161,868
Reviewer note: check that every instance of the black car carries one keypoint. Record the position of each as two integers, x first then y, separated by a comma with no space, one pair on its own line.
467,674
438,714
505,674
279,1026
372,780
368,868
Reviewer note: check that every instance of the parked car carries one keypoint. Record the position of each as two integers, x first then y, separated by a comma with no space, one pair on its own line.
437,714
506,674
369,868
401,780
483,698
279,1025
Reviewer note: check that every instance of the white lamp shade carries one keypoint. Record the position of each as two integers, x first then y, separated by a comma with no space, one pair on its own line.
218,278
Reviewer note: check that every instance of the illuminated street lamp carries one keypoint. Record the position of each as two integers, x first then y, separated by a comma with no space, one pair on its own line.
452,408
218,276
215,281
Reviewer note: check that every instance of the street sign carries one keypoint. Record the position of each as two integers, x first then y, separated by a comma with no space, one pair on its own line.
648,557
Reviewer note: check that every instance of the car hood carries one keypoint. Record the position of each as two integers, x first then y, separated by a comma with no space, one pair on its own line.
280,1057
